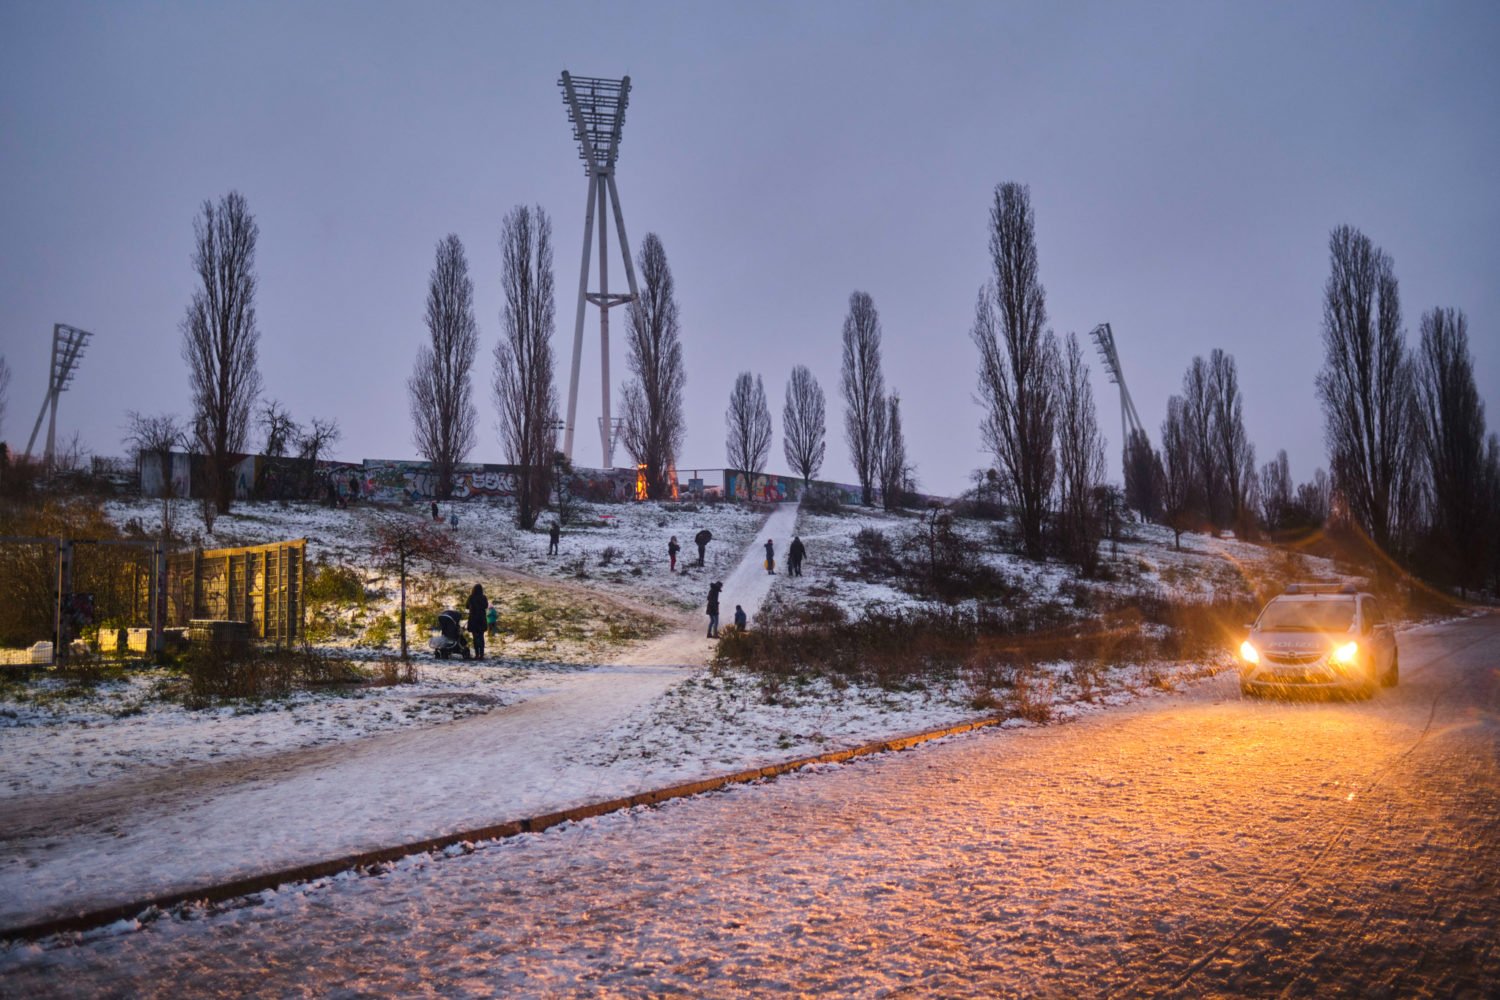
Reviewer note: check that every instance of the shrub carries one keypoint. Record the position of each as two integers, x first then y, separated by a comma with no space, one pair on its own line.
821,498
330,584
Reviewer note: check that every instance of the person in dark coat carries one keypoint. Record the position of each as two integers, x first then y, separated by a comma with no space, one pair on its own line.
713,608
795,553
553,534
701,539
478,625
672,549
770,556
740,620
435,511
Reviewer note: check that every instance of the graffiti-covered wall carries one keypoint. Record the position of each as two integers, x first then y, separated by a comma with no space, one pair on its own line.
395,482
760,487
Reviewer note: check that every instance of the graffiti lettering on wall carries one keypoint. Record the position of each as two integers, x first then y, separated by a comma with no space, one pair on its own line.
393,482
603,485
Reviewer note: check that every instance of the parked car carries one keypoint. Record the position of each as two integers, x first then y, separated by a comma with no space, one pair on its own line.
1320,636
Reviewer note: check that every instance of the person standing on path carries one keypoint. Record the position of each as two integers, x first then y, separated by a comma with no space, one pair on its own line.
553,534
478,623
713,608
672,549
701,539
795,553
435,511
770,556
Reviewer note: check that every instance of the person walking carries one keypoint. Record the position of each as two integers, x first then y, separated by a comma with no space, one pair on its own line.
740,620
795,553
478,623
554,533
435,511
672,549
701,539
770,556
713,608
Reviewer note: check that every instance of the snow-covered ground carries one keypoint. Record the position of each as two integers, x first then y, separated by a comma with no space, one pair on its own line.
287,782
1200,845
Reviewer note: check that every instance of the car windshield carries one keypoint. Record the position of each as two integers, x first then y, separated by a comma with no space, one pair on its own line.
1310,616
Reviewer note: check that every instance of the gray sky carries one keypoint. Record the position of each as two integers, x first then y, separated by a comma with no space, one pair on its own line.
1186,164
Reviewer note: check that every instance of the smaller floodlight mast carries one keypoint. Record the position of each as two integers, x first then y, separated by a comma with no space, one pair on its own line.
596,107
67,347
1104,339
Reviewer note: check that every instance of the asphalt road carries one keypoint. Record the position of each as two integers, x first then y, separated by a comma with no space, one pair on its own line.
1192,844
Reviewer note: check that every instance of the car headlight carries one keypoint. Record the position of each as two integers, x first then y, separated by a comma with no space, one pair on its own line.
1249,653
1346,653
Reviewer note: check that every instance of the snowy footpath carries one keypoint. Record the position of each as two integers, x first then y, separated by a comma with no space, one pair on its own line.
101,845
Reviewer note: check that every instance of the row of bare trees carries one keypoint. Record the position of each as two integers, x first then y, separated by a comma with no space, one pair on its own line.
1412,467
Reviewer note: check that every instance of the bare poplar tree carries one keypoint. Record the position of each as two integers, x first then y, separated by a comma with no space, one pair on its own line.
1276,498
441,391
1080,460
1450,431
220,339
1234,452
1365,384
654,419
1198,416
1018,364
802,426
895,471
525,395
748,425
1179,480
863,387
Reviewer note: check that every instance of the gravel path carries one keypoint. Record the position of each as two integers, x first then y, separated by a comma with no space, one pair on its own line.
1200,844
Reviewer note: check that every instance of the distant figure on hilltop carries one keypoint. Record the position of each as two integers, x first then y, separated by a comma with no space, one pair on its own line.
770,556
554,533
795,553
701,539
713,608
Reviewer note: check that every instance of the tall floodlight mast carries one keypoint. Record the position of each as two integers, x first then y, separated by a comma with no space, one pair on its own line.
1130,421
596,107
67,347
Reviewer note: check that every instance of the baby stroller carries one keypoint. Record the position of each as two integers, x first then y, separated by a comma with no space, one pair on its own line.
449,638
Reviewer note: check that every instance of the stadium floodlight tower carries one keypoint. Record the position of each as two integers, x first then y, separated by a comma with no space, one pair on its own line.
67,347
1130,421
596,107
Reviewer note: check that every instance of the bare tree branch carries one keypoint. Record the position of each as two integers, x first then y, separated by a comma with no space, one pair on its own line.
1080,453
